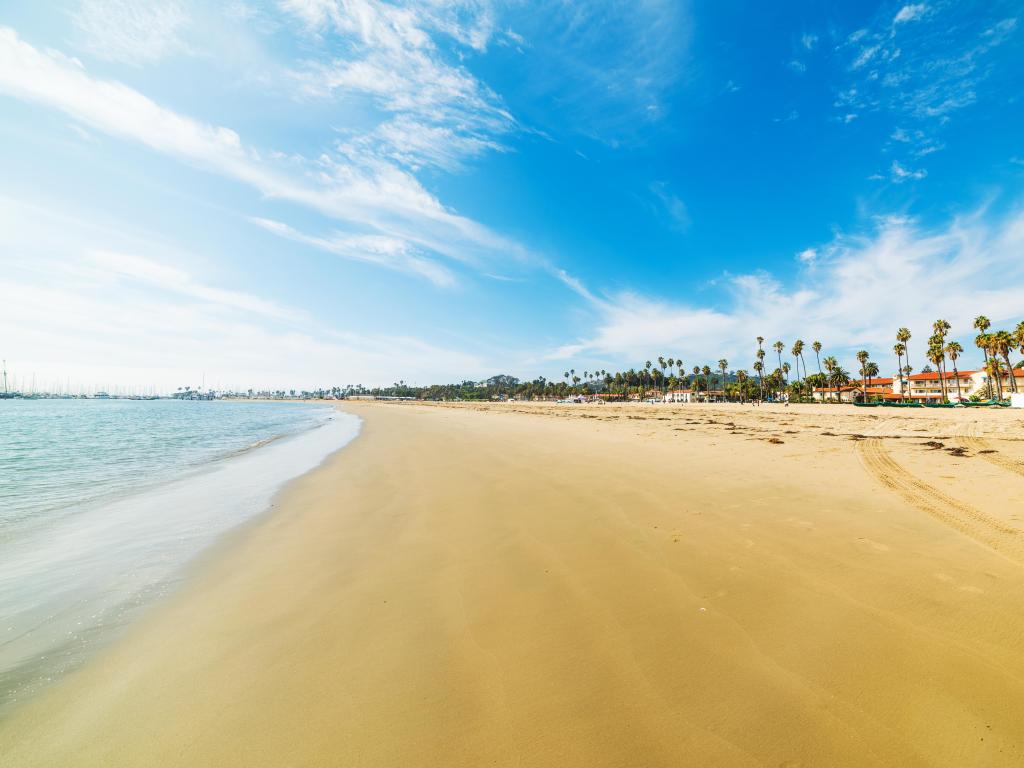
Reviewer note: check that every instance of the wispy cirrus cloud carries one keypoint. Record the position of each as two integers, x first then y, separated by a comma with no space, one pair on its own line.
132,32
371,194
907,65
670,206
391,252
612,66
835,298
434,113
96,305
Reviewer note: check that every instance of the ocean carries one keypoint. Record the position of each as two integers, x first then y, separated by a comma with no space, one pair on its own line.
104,502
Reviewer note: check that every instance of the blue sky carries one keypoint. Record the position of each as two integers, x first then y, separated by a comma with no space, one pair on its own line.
320,192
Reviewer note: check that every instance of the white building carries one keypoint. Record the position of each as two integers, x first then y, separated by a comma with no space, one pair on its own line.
679,396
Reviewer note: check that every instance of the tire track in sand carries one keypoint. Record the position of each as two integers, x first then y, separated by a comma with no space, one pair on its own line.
958,515
969,437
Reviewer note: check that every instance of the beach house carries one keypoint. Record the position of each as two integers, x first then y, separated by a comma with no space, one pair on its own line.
927,387
679,396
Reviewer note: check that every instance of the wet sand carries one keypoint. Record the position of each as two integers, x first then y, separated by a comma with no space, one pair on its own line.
533,585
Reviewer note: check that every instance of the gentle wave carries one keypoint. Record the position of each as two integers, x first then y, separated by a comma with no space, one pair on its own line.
79,572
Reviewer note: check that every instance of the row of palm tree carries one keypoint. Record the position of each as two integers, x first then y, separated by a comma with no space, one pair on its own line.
793,378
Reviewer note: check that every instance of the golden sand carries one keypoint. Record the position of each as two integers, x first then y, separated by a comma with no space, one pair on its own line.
517,585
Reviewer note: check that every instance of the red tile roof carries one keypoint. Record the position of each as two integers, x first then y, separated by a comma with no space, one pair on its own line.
934,375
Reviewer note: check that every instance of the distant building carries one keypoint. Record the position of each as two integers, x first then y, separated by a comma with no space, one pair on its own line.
927,387
844,394
679,396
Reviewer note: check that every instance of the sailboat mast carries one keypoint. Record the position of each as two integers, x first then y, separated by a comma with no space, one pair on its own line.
5,377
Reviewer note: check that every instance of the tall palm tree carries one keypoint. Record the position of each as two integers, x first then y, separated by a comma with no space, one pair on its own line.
983,341
778,346
995,371
1018,336
982,324
671,366
954,350
797,351
903,336
862,358
696,379
816,346
872,369
899,349
935,356
832,366
706,370
1003,343
941,328
759,368
723,366
741,381
786,367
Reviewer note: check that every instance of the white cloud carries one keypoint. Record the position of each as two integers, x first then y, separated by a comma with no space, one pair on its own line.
809,41
131,31
861,289
797,66
672,207
439,113
381,250
371,193
98,306
808,255
898,173
607,68
132,268
910,13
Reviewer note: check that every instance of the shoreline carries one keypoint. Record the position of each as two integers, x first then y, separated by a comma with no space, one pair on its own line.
506,583
129,550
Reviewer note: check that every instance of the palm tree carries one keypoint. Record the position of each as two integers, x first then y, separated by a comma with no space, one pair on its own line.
872,369
903,336
706,370
899,349
786,367
741,381
935,355
778,346
760,370
797,351
1003,342
982,324
1018,336
671,367
723,366
816,346
995,371
696,380
832,365
862,358
941,328
954,350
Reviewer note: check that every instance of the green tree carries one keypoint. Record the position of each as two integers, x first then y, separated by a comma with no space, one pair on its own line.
903,336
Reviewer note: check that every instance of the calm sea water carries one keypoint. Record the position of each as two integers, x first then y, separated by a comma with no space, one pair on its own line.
103,502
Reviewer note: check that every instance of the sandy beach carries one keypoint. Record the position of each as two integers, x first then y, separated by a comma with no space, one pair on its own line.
538,585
